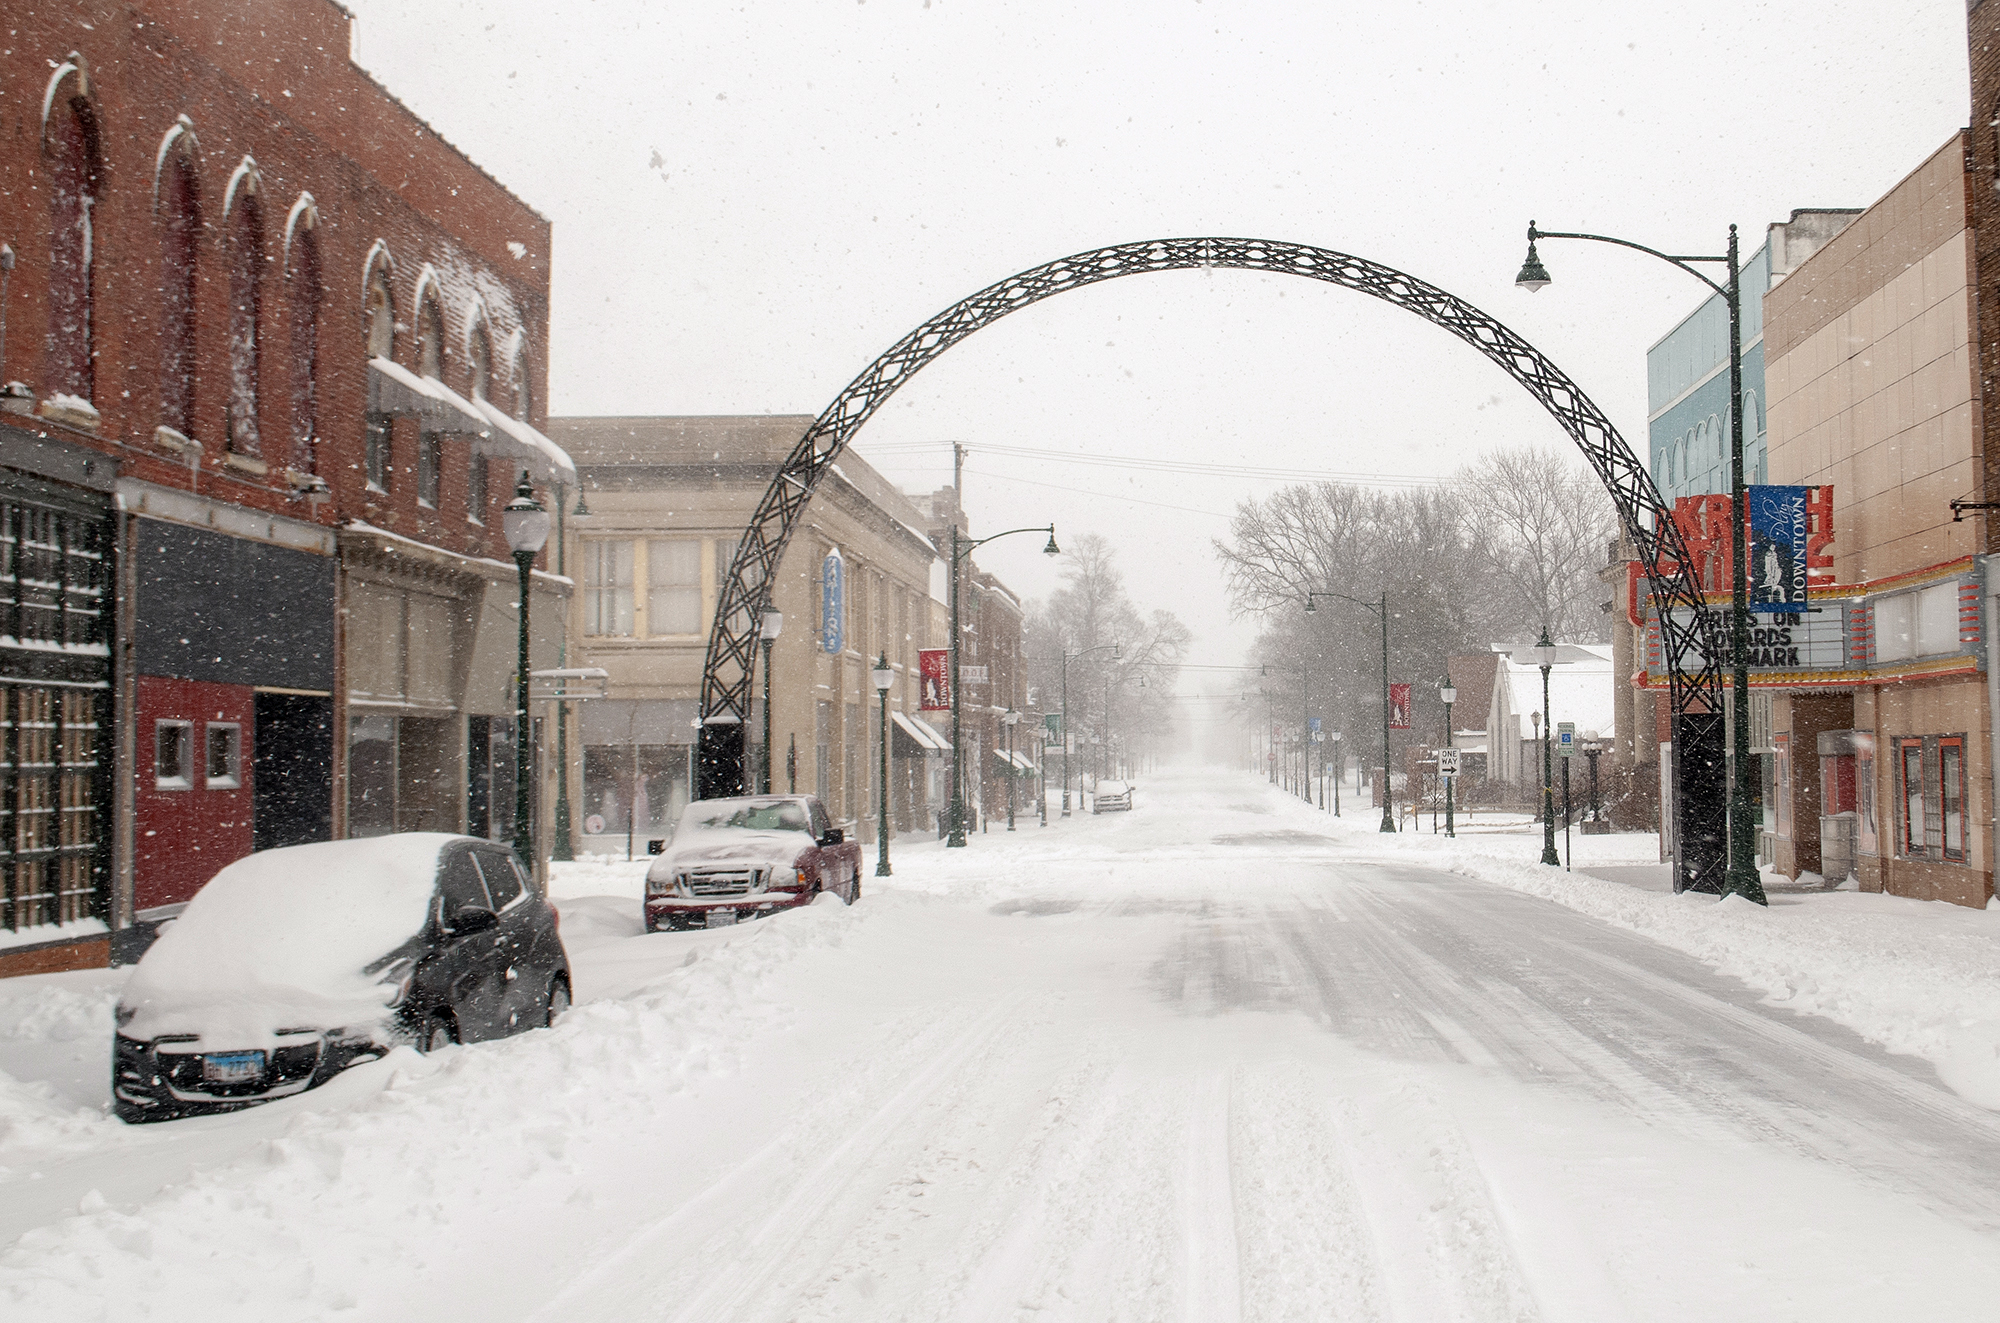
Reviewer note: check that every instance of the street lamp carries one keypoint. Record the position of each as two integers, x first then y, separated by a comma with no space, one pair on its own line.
1545,656
525,525
1741,876
883,676
1067,658
960,549
1381,609
1339,766
767,631
1448,694
1011,720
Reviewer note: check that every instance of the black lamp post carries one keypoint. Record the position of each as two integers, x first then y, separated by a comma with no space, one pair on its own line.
767,632
1545,655
1448,693
1339,765
1381,609
1592,748
525,524
883,676
1011,720
1741,877
960,549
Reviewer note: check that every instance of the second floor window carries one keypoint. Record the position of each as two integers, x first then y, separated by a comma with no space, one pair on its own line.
607,588
476,491
430,467
246,276
377,453
673,586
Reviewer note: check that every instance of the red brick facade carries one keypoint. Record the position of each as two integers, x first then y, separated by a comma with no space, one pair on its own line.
226,84
218,220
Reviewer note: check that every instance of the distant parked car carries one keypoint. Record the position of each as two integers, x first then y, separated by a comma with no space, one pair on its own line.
1111,796
293,964
746,858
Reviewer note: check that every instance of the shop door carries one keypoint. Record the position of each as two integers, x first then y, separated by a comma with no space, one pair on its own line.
291,785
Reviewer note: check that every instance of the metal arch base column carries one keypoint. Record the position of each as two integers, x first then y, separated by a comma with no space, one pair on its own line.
1692,640
719,761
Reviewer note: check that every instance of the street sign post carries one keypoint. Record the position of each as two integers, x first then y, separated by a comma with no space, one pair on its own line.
1447,762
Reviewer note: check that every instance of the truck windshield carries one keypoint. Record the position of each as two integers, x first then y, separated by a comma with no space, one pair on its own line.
737,816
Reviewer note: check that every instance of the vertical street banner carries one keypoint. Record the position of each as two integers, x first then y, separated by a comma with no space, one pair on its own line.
1052,729
934,679
1399,707
1779,525
833,602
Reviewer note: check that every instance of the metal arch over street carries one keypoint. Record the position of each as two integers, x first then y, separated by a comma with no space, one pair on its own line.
1695,678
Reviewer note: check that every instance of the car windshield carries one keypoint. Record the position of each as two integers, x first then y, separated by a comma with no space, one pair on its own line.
742,815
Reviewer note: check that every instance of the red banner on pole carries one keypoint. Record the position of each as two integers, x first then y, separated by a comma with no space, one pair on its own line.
934,679
1399,707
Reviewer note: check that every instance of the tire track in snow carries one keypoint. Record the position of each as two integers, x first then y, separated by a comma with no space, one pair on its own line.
1211,1286
743,1264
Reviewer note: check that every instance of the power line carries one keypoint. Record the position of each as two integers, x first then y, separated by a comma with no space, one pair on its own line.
1153,464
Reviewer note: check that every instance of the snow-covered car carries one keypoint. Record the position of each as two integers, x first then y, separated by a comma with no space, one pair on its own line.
292,964
1111,796
746,858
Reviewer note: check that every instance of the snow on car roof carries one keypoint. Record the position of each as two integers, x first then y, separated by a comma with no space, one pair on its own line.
279,940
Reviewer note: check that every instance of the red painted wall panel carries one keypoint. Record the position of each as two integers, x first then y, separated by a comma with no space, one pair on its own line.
184,833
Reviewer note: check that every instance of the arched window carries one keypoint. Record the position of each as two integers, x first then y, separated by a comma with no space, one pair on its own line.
245,223
303,292
430,362
70,142
479,355
378,311
180,237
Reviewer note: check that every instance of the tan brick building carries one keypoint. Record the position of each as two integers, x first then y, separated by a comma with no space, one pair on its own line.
666,499
1873,389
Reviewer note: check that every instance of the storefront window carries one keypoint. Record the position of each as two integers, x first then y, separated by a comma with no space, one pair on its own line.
1911,757
640,789
1951,795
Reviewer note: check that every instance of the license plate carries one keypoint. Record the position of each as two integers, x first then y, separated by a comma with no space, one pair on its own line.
232,1067
721,918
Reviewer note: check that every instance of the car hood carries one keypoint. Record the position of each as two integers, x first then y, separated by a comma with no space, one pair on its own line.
283,939
774,849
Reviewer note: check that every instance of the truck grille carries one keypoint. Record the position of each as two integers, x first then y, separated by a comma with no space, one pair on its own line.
722,881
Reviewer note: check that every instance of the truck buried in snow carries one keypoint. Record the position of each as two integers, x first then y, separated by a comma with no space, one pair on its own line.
745,858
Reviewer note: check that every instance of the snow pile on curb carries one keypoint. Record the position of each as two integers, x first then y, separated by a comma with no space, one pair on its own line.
372,1156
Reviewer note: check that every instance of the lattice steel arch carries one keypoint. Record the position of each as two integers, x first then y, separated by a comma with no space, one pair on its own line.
1695,676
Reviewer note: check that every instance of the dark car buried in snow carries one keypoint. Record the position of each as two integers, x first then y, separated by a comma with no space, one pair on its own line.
746,858
293,964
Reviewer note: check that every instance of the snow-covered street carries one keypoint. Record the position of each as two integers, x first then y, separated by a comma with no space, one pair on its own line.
1220,1057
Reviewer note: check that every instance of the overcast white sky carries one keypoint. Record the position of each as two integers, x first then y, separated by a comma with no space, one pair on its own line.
753,200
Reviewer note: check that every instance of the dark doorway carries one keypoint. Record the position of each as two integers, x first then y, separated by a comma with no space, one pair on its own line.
291,784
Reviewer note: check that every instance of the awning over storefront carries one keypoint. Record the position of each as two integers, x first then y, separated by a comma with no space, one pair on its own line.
1019,761
397,392
546,460
917,732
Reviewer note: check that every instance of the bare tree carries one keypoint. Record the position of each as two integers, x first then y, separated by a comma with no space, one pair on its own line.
1091,610
1545,520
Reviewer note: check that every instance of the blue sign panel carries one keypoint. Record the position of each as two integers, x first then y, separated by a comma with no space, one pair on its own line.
1777,569
832,602
1312,724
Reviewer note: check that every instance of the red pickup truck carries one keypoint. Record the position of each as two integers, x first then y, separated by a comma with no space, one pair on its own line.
745,858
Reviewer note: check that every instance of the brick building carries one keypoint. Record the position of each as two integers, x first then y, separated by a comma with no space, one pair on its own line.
280,351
